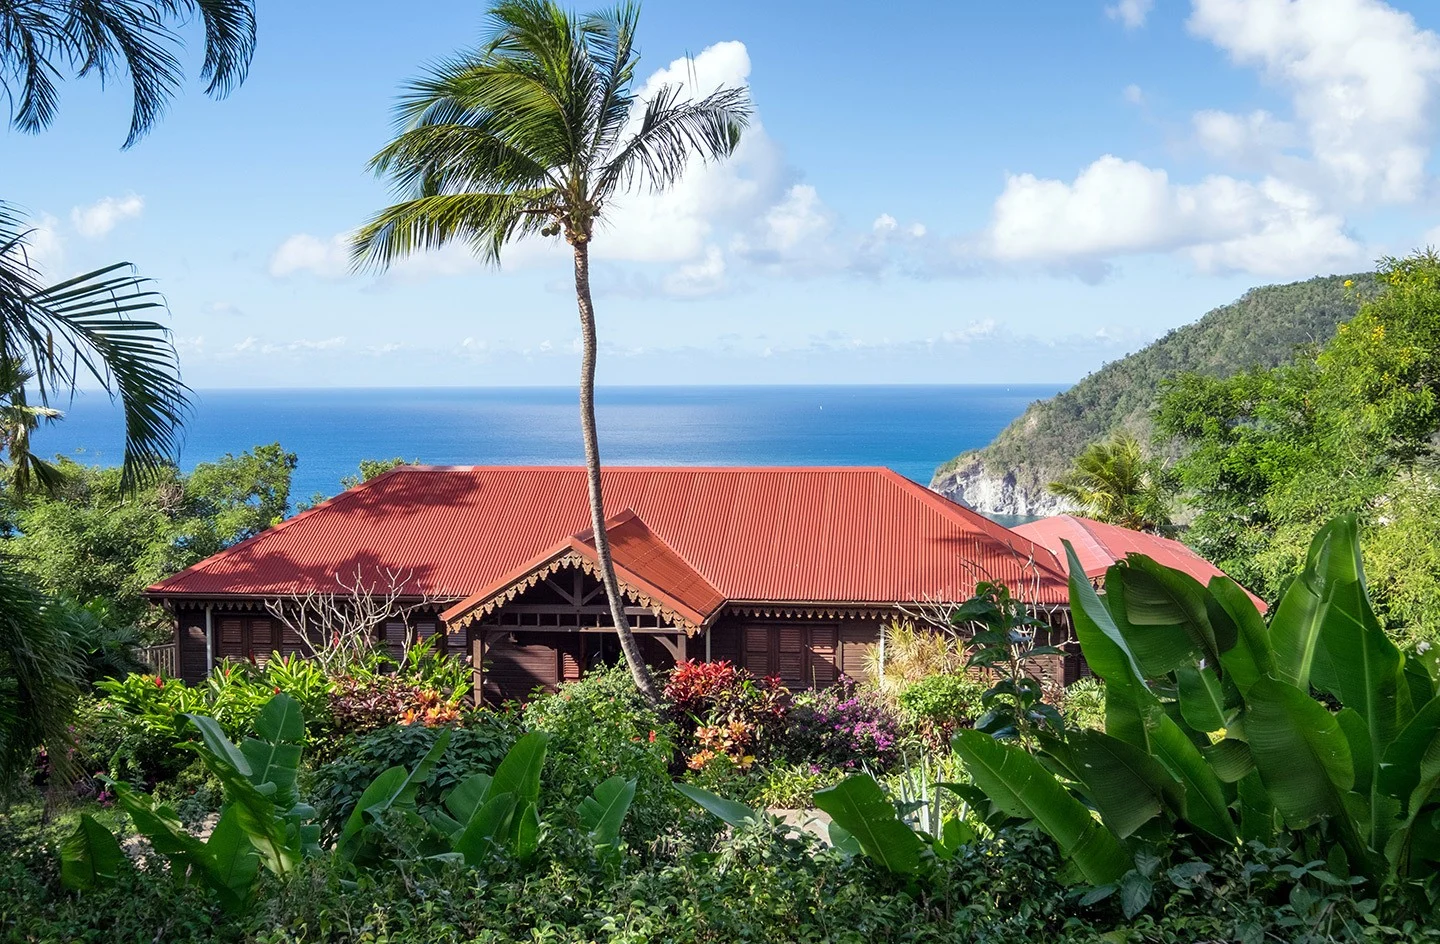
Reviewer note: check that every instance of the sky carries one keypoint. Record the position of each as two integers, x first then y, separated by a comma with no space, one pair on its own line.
966,192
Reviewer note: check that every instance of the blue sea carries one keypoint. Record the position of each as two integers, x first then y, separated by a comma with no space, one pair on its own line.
910,429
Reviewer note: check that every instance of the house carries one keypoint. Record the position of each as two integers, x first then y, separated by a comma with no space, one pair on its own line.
788,572
1099,545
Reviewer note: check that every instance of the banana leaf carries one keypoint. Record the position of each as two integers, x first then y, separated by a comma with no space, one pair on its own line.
1165,619
1202,702
234,860
1017,784
519,772
603,812
90,857
1251,657
1301,752
1206,805
485,827
726,810
1109,657
274,756
1127,786
1295,627
864,811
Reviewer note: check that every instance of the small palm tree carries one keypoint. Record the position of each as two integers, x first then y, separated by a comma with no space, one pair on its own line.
1115,482
18,419
531,135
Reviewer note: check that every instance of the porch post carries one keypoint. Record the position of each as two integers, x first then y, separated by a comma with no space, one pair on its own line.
477,665
209,640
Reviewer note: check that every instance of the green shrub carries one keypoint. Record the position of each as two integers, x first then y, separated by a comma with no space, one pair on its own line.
474,748
790,787
601,727
939,703
1083,705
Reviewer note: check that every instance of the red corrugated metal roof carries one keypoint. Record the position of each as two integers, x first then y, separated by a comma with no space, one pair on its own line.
643,563
811,535
1099,545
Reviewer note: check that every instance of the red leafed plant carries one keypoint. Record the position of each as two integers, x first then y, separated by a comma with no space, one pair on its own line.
724,710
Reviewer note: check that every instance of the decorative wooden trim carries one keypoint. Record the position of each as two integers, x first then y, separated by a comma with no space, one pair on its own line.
865,611
567,560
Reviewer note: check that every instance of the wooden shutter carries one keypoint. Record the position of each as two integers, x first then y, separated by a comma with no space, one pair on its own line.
232,639
262,640
823,671
790,656
290,641
855,640
392,635
514,669
757,650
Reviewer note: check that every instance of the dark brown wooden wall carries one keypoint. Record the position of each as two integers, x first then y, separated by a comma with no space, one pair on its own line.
802,653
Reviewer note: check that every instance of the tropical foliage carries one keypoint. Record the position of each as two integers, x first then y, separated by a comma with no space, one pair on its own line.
1114,481
531,136
95,538
1268,455
1212,733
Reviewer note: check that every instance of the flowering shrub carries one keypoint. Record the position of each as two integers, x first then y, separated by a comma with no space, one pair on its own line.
723,711
842,727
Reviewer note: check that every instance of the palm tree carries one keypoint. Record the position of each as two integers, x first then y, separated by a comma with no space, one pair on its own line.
1115,482
84,327
18,419
531,135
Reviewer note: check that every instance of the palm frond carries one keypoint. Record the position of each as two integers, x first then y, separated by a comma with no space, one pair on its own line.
42,39
611,41
230,36
495,100
85,328
487,221
40,677
673,131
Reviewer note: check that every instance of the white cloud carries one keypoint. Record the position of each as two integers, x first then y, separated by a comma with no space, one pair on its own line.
328,259
253,345
1255,139
100,217
1361,76
983,329
705,277
45,247
1131,13
1134,94
1119,207
679,224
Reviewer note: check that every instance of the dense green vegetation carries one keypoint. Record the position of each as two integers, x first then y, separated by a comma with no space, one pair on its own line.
1267,455
56,336
1262,329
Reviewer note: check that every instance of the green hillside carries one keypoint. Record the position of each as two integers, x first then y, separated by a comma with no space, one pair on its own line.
1263,328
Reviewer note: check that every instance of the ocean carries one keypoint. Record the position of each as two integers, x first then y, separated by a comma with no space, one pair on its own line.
910,429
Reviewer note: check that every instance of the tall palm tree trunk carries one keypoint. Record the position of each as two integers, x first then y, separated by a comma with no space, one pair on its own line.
641,673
